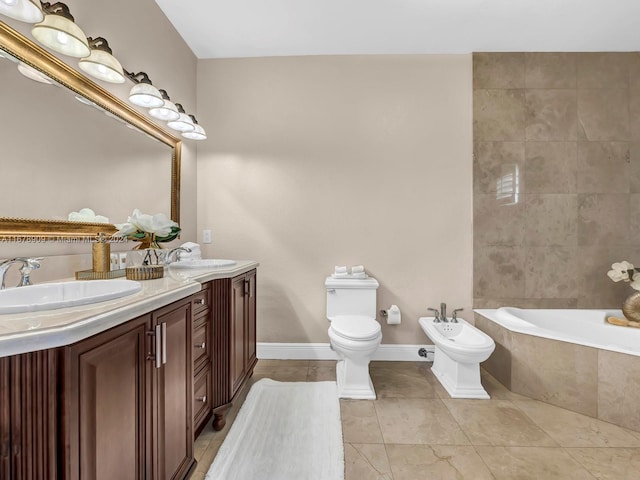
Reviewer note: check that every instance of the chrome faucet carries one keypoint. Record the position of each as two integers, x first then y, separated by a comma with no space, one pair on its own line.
443,312
436,314
176,253
28,265
454,315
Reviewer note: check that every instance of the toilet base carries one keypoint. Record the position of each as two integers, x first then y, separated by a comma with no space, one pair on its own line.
354,381
460,380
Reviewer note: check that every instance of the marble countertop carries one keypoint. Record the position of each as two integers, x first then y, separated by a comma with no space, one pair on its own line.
32,331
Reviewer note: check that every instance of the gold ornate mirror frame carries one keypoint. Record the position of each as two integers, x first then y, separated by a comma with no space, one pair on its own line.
28,52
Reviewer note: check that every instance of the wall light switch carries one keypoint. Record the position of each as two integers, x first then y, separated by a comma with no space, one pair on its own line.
206,236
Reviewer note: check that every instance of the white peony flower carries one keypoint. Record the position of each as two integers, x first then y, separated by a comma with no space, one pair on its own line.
87,215
158,224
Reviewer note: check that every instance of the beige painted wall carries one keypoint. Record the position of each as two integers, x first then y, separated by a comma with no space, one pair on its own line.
143,40
314,162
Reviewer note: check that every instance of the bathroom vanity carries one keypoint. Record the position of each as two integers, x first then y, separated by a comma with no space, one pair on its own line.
122,388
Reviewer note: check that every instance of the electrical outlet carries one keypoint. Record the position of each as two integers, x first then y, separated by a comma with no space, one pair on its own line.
206,236
114,261
122,260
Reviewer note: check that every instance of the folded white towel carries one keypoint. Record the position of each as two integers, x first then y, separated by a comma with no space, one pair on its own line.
340,269
340,275
191,245
357,269
358,275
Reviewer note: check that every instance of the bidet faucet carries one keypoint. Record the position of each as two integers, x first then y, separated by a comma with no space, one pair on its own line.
176,252
28,265
443,312
454,315
436,314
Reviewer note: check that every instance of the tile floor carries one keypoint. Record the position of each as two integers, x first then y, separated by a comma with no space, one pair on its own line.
414,430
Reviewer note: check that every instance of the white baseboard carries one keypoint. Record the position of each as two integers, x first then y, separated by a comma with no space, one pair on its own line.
322,351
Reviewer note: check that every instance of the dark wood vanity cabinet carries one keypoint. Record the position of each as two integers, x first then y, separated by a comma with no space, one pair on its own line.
202,342
234,339
128,399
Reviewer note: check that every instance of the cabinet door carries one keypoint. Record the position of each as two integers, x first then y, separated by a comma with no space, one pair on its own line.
173,393
237,334
5,426
107,389
250,312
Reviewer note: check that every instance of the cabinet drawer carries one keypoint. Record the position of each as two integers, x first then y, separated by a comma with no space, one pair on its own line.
201,345
200,301
201,397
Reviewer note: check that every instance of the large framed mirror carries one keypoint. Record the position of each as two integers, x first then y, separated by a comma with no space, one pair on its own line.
27,168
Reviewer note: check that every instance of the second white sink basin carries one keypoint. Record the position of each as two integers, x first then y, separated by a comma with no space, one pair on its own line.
203,263
51,296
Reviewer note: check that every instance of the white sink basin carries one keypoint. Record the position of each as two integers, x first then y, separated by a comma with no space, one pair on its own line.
203,263
50,296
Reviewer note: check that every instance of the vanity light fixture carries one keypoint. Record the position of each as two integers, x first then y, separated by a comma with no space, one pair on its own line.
59,32
33,74
143,93
101,64
198,133
28,11
183,123
167,112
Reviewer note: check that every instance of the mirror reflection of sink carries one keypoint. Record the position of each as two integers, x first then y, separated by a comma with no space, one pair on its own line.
203,263
51,296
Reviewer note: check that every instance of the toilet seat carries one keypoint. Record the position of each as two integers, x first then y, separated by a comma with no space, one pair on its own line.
355,327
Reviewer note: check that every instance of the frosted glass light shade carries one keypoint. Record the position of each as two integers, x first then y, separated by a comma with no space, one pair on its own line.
145,95
33,74
197,134
103,66
62,35
28,11
167,112
182,124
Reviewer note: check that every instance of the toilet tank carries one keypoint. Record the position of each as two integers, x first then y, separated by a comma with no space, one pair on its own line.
348,296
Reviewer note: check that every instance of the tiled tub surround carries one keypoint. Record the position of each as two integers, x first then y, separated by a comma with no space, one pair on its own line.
592,381
566,127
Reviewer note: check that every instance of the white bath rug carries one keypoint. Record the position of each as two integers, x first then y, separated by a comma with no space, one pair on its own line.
284,431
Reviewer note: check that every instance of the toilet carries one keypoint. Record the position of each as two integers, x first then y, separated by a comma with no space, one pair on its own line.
354,333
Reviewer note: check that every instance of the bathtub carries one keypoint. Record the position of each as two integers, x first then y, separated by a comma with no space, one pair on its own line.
571,358
583,327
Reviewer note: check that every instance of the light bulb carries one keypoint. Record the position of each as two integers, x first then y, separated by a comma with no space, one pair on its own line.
62,38
11,3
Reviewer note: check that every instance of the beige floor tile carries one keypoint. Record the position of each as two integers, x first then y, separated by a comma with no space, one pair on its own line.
321,374
496,390
534,463
496,422
418,421
197,476
359,422
207,458
282,374
401,383
281,363
572,429
366,462
609,463
409,462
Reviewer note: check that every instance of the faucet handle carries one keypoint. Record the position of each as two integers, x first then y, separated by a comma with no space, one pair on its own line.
454,314
29,264
436,314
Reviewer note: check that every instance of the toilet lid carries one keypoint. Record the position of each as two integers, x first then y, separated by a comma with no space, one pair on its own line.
355,327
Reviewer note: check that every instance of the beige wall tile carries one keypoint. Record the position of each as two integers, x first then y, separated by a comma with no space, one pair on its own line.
603,219
550,70
559,373
550,167
603,167
496,223
409,462
498,115
499,363
499,271
551,272
550,114
498,70
493,160
603,70
619,389
603,114
550,219
634,167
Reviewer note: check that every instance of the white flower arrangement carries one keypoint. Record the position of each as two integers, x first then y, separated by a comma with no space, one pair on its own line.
143,227
625,271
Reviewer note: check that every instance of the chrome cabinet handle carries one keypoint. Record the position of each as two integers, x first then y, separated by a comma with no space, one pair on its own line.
202,399
164,343
199,301
158,356
202,345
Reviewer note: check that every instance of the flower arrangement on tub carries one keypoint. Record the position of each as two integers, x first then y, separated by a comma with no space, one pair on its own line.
149,230
627,272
